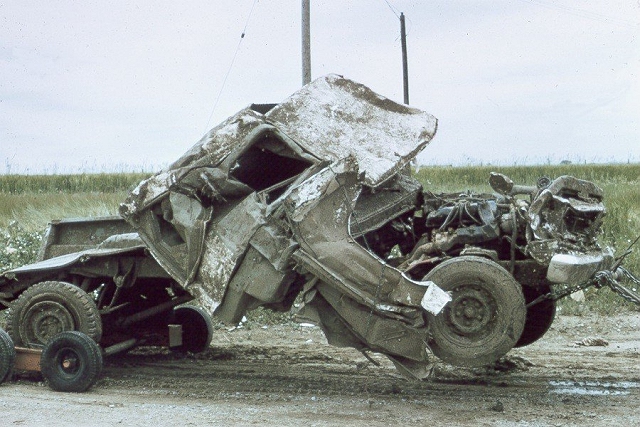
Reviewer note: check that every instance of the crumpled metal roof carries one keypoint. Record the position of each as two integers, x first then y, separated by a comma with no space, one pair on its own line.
330,119
334,118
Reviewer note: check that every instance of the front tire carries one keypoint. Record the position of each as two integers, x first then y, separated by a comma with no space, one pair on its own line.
48,308
486,316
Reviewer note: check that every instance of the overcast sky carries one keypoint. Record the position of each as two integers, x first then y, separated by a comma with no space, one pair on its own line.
98,85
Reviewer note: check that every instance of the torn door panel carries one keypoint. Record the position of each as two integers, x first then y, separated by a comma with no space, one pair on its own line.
379,304
332,193
377,333
262,277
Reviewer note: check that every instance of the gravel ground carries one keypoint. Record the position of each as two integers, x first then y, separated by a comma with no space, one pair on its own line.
289,376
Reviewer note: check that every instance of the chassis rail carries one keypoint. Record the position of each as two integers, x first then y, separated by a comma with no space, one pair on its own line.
599,280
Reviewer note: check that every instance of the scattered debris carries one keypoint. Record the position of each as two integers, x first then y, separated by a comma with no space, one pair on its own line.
511,364
497,407
592,342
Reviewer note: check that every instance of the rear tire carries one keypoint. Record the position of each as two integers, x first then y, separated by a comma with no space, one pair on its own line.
48,308
486,316
7,355
71,362
197,328
539,316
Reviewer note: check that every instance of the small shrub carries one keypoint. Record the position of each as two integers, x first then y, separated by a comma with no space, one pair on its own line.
17,246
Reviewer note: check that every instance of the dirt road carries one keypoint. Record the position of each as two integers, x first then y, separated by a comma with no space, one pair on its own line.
289,376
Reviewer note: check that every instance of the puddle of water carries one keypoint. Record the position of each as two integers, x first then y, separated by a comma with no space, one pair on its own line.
592,388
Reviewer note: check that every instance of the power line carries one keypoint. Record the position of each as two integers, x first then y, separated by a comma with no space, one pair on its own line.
224,82
393,9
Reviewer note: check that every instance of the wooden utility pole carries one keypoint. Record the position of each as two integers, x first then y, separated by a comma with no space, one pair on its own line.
306,42
405,66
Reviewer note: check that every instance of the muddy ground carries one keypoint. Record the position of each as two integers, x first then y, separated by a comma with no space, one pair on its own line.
289,376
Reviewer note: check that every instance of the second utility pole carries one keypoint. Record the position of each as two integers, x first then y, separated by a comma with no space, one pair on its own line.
306,42
405,66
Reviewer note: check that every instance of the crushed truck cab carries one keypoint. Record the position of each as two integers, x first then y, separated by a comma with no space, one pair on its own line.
312,199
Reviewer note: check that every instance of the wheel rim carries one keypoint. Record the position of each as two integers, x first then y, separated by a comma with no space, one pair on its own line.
470,314
68,362
45,320
478,336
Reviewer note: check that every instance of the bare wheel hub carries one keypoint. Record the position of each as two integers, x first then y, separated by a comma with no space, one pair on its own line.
47,319
471,311
68,362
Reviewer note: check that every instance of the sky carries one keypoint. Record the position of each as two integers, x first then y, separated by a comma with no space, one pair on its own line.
98,86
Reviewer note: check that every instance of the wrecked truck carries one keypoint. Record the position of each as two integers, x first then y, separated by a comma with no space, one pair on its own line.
312,200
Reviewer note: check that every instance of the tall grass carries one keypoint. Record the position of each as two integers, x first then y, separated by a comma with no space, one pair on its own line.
33,200
445,178
81,183
34,211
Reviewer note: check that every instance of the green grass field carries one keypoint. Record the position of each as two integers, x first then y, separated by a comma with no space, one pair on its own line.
28,203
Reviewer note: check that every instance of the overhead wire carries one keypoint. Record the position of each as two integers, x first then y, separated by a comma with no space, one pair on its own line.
393,9
235,54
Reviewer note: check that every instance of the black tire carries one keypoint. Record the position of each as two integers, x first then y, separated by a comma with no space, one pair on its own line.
48,308
7,355
71,361
539,316
486,316
197,328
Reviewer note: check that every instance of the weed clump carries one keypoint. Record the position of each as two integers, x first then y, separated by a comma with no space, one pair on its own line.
17,246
